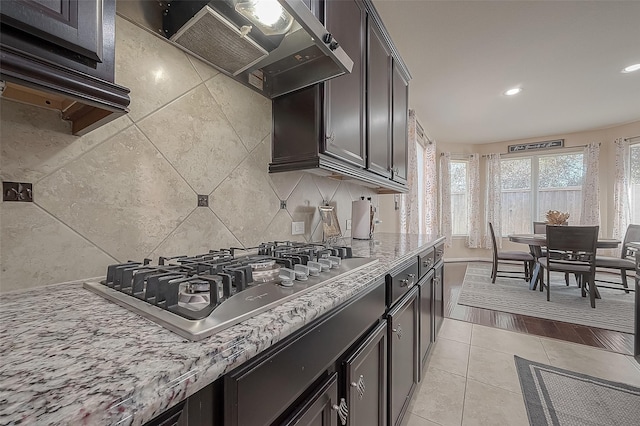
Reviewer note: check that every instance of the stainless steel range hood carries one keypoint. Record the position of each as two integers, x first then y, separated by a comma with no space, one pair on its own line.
217,32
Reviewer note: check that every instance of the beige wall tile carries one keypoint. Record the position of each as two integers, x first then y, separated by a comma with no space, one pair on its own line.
204,70
245,203
282,183
303,204
199,233
155,71
280,229
36,141
248,111
123,196
37,249
342,200
198,140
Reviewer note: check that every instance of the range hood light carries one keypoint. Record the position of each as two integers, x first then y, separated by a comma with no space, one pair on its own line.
268,15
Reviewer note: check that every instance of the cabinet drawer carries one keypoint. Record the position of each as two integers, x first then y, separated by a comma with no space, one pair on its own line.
399,283
264,389
426,261
439,252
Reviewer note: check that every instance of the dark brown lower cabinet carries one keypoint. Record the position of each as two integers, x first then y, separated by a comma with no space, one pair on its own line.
438,298
320,409
403,354
365,375
426,312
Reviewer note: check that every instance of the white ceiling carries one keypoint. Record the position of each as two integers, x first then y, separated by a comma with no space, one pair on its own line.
566,55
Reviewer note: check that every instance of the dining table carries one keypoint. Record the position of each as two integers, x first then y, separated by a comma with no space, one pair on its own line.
537,241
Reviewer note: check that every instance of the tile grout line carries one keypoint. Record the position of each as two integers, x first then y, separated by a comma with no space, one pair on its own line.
76,232
172,232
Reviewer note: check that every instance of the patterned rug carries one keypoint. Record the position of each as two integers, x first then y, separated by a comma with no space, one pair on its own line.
613,312
554,396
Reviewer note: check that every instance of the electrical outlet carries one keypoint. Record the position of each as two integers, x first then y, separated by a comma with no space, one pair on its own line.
17,191
348,224
297,228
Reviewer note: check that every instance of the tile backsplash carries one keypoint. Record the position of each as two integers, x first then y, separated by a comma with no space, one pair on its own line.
128,190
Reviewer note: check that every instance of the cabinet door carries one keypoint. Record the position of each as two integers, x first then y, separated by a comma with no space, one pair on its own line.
344,95
426,312
403,355
75,25
400,122
318,409
438,299
366,380
378,102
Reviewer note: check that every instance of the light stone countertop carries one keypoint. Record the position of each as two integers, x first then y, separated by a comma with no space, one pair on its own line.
68,356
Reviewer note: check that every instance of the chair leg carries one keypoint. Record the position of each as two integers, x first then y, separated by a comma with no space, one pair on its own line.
623,275
494,272
566,279
548,286
526,271
582,286
592,290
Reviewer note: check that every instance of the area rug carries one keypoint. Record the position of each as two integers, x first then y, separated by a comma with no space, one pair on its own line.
614,311
554,396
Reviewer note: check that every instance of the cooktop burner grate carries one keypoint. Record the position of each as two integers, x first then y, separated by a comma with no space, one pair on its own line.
197,296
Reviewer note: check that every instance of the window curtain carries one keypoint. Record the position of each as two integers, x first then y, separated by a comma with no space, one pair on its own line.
590,214
474,239
445,196
409,220
622,211
493,200
430,224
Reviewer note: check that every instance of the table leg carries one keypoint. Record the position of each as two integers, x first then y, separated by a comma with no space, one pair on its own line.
536,252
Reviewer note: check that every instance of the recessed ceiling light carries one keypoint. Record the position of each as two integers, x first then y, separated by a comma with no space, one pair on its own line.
631,68
513,91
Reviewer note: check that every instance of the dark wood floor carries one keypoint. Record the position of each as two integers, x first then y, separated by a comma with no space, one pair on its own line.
606,339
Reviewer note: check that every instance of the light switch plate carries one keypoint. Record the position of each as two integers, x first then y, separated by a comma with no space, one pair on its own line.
297,228
348,224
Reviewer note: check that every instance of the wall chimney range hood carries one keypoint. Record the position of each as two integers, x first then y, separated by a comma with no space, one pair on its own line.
273,46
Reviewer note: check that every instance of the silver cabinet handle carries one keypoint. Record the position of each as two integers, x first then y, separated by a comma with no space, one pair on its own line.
398,331
359,386
428,263
343,411
404,282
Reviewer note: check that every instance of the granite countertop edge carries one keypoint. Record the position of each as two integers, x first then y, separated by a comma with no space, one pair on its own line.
134,400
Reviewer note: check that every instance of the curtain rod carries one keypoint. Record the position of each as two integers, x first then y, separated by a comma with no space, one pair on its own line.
632,137
544,150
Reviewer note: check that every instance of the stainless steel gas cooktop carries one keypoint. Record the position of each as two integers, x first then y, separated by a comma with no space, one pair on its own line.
197,296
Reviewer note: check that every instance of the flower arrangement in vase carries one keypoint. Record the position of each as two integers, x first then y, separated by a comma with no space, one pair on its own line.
555,217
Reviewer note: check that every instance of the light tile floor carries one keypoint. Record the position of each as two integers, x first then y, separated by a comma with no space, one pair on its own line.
471,377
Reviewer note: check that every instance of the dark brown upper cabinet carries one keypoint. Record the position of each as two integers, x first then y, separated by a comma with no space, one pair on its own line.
344,96
378,101
346,126
60,54
400,123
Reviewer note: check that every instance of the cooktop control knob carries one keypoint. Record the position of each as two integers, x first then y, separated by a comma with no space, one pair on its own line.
326,264
335,261
302,272
314,268
287,276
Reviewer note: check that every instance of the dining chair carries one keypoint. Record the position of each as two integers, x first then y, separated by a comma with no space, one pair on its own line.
518,256
541,228
624,263
571,249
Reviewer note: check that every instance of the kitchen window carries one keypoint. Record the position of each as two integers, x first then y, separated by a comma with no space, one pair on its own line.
634,183
533,185
459,197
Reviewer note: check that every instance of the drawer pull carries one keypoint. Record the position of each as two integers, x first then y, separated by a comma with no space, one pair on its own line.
360,386
343,411
404,282
428,263
398,331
